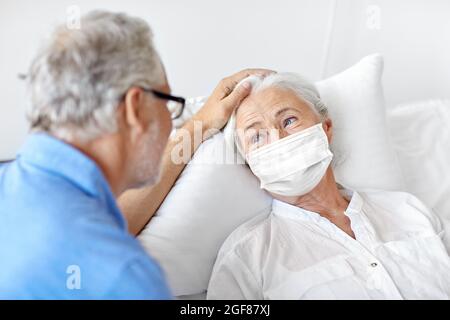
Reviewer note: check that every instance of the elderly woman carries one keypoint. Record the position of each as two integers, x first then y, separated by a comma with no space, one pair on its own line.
321,241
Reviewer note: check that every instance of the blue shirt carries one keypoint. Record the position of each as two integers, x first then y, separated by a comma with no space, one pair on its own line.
62,235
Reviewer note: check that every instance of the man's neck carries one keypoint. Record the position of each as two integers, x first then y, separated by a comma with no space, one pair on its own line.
108,155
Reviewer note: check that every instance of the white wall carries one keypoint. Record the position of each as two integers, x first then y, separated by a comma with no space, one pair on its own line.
201,41
413,36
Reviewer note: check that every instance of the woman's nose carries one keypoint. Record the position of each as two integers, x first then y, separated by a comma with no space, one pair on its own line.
283,133
276,134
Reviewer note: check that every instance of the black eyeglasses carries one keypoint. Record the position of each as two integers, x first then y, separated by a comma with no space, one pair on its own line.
175,104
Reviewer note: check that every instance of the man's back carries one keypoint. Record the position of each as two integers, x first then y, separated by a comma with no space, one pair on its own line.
61,233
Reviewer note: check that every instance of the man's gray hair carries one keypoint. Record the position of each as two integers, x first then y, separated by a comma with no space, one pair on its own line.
78,78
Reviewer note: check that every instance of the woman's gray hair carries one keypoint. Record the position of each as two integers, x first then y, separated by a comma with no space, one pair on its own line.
304,89
79,77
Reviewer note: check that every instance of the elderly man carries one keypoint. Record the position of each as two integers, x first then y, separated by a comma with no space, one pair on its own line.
321,241
99,126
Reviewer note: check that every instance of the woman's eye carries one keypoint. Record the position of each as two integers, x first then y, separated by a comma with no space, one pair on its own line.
289,121
255,138
258,138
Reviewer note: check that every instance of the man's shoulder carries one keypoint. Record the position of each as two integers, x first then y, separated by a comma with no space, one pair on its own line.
34,184
140,277
3,166
122,267
109,264
55,200
119,274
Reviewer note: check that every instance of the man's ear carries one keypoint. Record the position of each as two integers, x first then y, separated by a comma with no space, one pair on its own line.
328,128
133,111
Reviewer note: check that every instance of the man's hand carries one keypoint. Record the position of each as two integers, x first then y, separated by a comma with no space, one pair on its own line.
225,98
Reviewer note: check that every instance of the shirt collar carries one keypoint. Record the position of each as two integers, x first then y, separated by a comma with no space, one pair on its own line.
356,202
286,209
62,159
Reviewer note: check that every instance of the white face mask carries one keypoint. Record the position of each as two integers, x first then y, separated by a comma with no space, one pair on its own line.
294,165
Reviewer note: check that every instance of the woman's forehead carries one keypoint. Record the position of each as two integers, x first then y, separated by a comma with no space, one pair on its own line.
267,101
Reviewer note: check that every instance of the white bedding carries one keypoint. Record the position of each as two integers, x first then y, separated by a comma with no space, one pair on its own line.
421,137
420,133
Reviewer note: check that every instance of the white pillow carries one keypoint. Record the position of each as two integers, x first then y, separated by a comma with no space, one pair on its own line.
364,154
209,201
421,138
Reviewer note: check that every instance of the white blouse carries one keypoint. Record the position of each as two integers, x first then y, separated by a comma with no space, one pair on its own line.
293,253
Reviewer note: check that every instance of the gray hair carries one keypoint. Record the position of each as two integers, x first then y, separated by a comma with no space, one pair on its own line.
78,78
304,89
